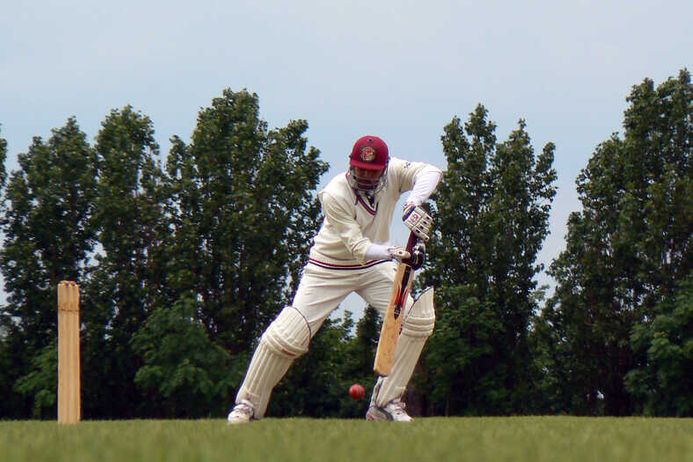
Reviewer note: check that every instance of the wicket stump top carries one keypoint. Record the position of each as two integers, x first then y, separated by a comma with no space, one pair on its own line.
68,296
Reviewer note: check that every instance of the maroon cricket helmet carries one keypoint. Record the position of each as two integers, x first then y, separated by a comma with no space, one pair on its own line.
371,156
369,153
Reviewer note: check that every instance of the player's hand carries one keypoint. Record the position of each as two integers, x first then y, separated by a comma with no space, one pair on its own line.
418,221
386,252
418,256
407,208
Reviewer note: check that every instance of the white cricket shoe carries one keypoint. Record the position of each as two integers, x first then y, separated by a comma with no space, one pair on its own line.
241,413
394,410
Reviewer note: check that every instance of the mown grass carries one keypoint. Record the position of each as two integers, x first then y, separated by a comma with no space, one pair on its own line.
434,439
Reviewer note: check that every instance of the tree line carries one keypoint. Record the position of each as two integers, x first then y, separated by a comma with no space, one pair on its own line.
183,263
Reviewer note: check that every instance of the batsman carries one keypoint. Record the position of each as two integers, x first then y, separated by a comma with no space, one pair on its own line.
352,253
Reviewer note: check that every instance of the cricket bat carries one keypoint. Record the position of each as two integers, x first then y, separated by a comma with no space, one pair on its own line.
392,323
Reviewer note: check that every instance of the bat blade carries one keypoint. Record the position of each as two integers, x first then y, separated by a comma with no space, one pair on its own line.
394,315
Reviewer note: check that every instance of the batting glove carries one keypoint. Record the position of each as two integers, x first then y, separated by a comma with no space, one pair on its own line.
418,221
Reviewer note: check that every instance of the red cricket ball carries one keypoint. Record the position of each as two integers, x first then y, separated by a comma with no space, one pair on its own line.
357,391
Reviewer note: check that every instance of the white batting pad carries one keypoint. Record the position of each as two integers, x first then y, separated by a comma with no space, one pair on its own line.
285,339
418,326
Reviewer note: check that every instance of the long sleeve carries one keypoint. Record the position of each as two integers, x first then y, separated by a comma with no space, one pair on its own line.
425,183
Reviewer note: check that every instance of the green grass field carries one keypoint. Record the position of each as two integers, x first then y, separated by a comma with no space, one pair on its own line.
434,439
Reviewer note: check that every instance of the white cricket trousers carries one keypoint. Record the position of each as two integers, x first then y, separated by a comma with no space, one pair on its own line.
321,290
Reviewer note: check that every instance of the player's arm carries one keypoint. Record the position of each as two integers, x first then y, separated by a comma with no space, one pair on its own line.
420,179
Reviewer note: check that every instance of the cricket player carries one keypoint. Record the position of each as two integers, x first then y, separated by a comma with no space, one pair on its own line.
351,253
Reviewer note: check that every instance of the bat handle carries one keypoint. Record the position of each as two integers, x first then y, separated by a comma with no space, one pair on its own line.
411,242
418,256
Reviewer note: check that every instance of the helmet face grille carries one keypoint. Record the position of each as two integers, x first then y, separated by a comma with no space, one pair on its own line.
370,187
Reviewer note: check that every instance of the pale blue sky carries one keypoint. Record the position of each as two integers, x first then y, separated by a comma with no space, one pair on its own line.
398,69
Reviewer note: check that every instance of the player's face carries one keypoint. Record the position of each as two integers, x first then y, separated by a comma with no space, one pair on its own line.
367,180
368,175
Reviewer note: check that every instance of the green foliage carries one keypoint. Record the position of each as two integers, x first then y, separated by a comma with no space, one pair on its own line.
46,226
460,353
3,158
491,214
5,358
626,250
183,371
42,383
662,383
358,364
362,346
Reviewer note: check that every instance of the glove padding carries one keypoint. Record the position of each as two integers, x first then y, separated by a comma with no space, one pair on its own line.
418,221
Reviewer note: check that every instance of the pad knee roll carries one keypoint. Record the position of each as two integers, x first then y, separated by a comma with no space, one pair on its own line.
422,317
289,334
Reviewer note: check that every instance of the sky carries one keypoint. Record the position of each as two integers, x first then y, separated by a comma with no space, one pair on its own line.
397,69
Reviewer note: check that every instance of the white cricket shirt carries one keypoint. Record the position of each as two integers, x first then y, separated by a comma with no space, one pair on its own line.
352,223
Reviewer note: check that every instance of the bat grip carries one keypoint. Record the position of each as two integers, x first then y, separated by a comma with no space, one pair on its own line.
411,242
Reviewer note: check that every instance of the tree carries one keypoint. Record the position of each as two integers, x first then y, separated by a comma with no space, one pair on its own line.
123,286
47,236
627,249
662,383
5,357
492,213
183,371
243,213
363,345
3,157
